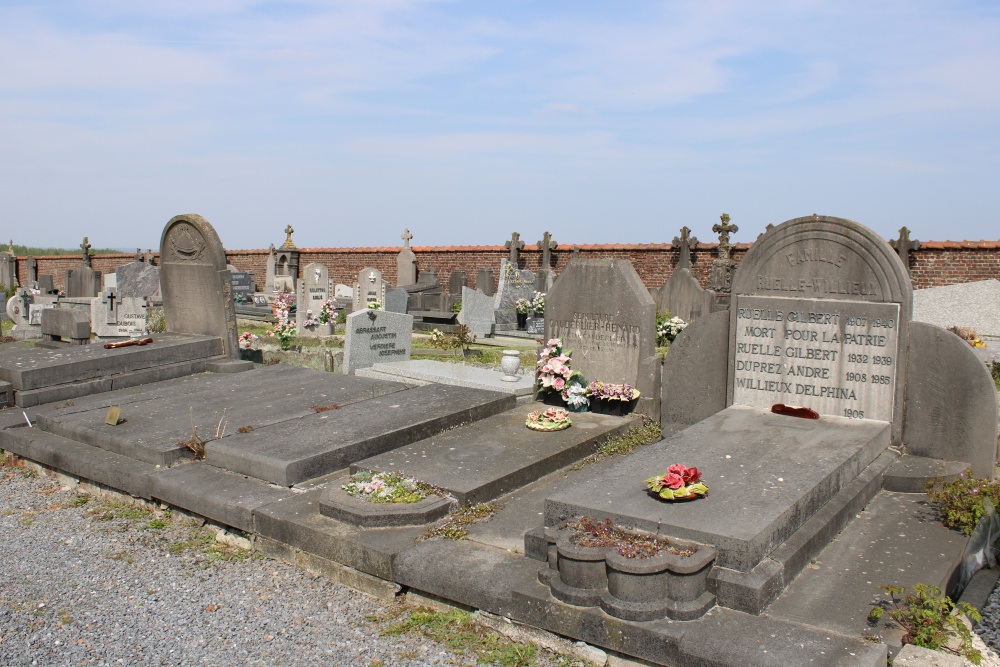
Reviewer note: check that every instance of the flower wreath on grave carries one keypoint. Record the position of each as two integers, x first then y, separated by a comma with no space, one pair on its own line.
678,483
388,487
327,312
553,374
606,391
553,419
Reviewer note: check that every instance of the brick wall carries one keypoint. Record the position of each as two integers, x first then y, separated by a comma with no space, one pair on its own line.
936,263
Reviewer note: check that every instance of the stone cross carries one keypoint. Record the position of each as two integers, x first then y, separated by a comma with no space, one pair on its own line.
138,254
85,247
406,237
288,238
149,256
32,270
904,246
10,247
723,230
109,297
547,245
371,277
684,242
515,245
576,252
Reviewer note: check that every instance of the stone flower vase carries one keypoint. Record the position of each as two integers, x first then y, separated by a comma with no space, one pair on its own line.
509,364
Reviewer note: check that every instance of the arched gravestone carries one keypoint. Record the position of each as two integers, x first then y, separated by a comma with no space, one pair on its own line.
820,315
195,283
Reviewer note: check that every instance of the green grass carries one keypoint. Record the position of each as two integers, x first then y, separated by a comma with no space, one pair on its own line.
107,509
456,526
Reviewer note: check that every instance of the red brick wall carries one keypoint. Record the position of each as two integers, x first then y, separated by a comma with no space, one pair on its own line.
935,263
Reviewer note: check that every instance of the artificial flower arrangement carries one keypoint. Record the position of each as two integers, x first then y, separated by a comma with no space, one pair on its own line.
387,487
522,306
552,372
373,305
327,312
669,329
246,340
606,391
538,303
576,397
977,342
311,320
678,483
553,419
284,330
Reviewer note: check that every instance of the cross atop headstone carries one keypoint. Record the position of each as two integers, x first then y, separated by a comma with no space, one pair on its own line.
85,247
149,256
684,242
10,247
723,230
406,237
288,244
904,246
514,246
547,245
109,298
138,254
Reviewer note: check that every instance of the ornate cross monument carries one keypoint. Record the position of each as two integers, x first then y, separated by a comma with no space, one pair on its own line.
684,242
546,245
514,246
406,262
904,246
407,236
288,244
722,267
85,247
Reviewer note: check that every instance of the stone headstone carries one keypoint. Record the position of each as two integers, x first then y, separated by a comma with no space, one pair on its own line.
484,281
477,312
138,279
684,296
109,280
369,288
35,312
244,285
819,318
397,300
8,270
535,324
17,311
197,292
45,284
406,262
269,275
314,289
115,316
342,291
514,284
604,314
70,325
24,306
456,282
374,336
32,269
83,281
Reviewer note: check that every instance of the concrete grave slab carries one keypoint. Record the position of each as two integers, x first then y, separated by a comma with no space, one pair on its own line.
973,305
482,461
442,372
766,475
316,444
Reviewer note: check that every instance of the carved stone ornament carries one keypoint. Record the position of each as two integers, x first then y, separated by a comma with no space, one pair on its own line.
185,243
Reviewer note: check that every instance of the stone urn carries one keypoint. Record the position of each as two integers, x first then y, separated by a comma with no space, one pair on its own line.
509,364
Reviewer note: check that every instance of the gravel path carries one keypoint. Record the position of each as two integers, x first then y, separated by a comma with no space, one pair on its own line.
100,583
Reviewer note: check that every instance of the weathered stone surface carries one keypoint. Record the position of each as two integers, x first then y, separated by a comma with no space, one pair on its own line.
138,279
8,270
115,316
824,258
973,305
338,504
397,300
197,292
66,323
514,284
376,335
951,405
484,281
604,314
369,288
696,370
419,371
83,281
684,296
477,312
313,290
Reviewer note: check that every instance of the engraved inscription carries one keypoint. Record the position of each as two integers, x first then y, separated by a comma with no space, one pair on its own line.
381,342
836,357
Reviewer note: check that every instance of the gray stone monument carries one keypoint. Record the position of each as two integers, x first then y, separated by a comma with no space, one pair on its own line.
546,276
115,316
138,279
370,288
314,289
406,262
904,246
477,312
197,292
8,270
397,300
723,265
374,336
83,282
514,284
484,281
269,276
604,314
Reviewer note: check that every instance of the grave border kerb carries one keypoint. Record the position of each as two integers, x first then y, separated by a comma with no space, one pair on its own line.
893,278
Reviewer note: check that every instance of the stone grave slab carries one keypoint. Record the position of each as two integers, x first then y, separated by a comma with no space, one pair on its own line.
604,314
376,335
766,473
477,312
320,443
397,300
514,284
152,432
484,460
138,279
442,372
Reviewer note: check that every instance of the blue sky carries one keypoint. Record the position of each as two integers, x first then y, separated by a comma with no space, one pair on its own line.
602,122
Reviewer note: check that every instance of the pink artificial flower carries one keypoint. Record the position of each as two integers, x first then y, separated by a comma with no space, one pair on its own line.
691,475
678,469
559,383
553,342
673,480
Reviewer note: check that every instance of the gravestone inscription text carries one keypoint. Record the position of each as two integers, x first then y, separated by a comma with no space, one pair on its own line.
836,357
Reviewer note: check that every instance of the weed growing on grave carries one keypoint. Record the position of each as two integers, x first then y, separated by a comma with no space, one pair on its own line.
202,541
616,445
80,500
628,543
927,617
995,372
463,636
455,526
960,501
108,509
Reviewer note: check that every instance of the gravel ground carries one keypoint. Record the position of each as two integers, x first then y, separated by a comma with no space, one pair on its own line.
99,583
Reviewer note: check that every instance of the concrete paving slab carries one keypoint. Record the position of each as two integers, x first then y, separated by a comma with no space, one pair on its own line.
484,460
442,372
767,474
154,426
898,539
319,443
222,496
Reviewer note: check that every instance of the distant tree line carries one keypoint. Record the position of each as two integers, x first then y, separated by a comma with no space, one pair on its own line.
22,250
